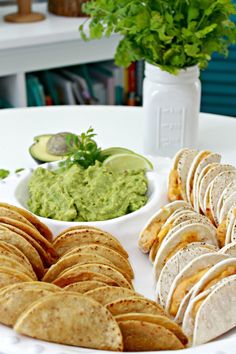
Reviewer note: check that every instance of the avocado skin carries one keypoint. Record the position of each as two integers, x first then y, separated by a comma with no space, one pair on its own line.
39,152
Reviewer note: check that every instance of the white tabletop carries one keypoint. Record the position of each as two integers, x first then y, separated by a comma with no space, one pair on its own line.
115,126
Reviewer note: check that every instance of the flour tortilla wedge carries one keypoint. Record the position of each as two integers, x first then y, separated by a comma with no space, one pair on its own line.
208,160
229,249
84,286
218,185
76,238
73,319
211,313
106,295
226,206
156,337
219,271
25,247
207,179
168,229
178,298
43,246
190,178
136,305
196,232
10,276
225,227
227,192
157,319
176,263
16,298
114,257
178,175
96,268
154,224
64,264
41,227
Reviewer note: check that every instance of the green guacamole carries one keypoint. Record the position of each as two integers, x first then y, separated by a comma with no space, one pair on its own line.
92,194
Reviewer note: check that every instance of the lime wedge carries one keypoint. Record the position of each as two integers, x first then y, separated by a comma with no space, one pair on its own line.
121,162
116,150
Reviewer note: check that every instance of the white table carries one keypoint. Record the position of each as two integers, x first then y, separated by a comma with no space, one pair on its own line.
115,126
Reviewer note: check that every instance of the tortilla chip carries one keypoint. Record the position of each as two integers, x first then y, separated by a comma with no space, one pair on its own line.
11,251
66,263
85,286
43,246
145,336
25,247
83,275
10,276
106,295
96,268
114,257
73,319
42,228
10,262
9,213
137,305
81,237
16,298
160,320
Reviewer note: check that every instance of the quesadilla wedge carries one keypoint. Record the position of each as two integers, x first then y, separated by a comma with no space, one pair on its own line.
212,312
178,298
150,231
196,232
175,265
178,175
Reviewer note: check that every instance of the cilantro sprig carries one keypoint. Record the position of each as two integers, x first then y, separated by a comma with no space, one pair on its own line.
4,173
82,150
172,34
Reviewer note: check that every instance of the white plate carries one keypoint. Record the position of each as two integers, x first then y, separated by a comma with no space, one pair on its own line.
126,229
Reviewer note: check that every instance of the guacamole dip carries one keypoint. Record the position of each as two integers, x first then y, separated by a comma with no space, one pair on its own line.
92,194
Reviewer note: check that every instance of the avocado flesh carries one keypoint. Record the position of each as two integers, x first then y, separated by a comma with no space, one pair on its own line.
39,150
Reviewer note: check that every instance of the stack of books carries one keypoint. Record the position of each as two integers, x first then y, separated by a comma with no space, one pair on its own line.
101,83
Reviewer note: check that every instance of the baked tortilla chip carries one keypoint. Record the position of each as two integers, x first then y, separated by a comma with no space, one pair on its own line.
145,336
25,247
137,305
10,276
13,263
42,228
160,320
66,263
83,275
81,237
73,319
114,257
85,286
16,298
106,295
96,268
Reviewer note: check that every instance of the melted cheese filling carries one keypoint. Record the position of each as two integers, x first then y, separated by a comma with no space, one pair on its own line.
182,289
174,190
230,270
160,237
187,238
221,233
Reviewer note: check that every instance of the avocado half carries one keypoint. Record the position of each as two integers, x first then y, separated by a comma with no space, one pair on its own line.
38,150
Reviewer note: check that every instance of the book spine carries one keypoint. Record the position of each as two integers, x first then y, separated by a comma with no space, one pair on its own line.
132,85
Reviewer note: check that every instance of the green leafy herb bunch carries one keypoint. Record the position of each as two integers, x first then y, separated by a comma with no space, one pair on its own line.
172,34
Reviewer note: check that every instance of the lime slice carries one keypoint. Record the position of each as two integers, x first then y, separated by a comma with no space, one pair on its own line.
116,150
121,162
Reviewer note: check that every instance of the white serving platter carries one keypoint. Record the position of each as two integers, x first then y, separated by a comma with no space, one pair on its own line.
13,190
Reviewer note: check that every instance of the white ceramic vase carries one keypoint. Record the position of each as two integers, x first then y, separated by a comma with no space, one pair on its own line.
171,106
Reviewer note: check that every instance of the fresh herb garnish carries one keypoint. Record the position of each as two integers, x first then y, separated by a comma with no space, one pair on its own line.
4,173
82,150
172,34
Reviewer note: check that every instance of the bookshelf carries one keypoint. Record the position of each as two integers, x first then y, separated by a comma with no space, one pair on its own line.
49,44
